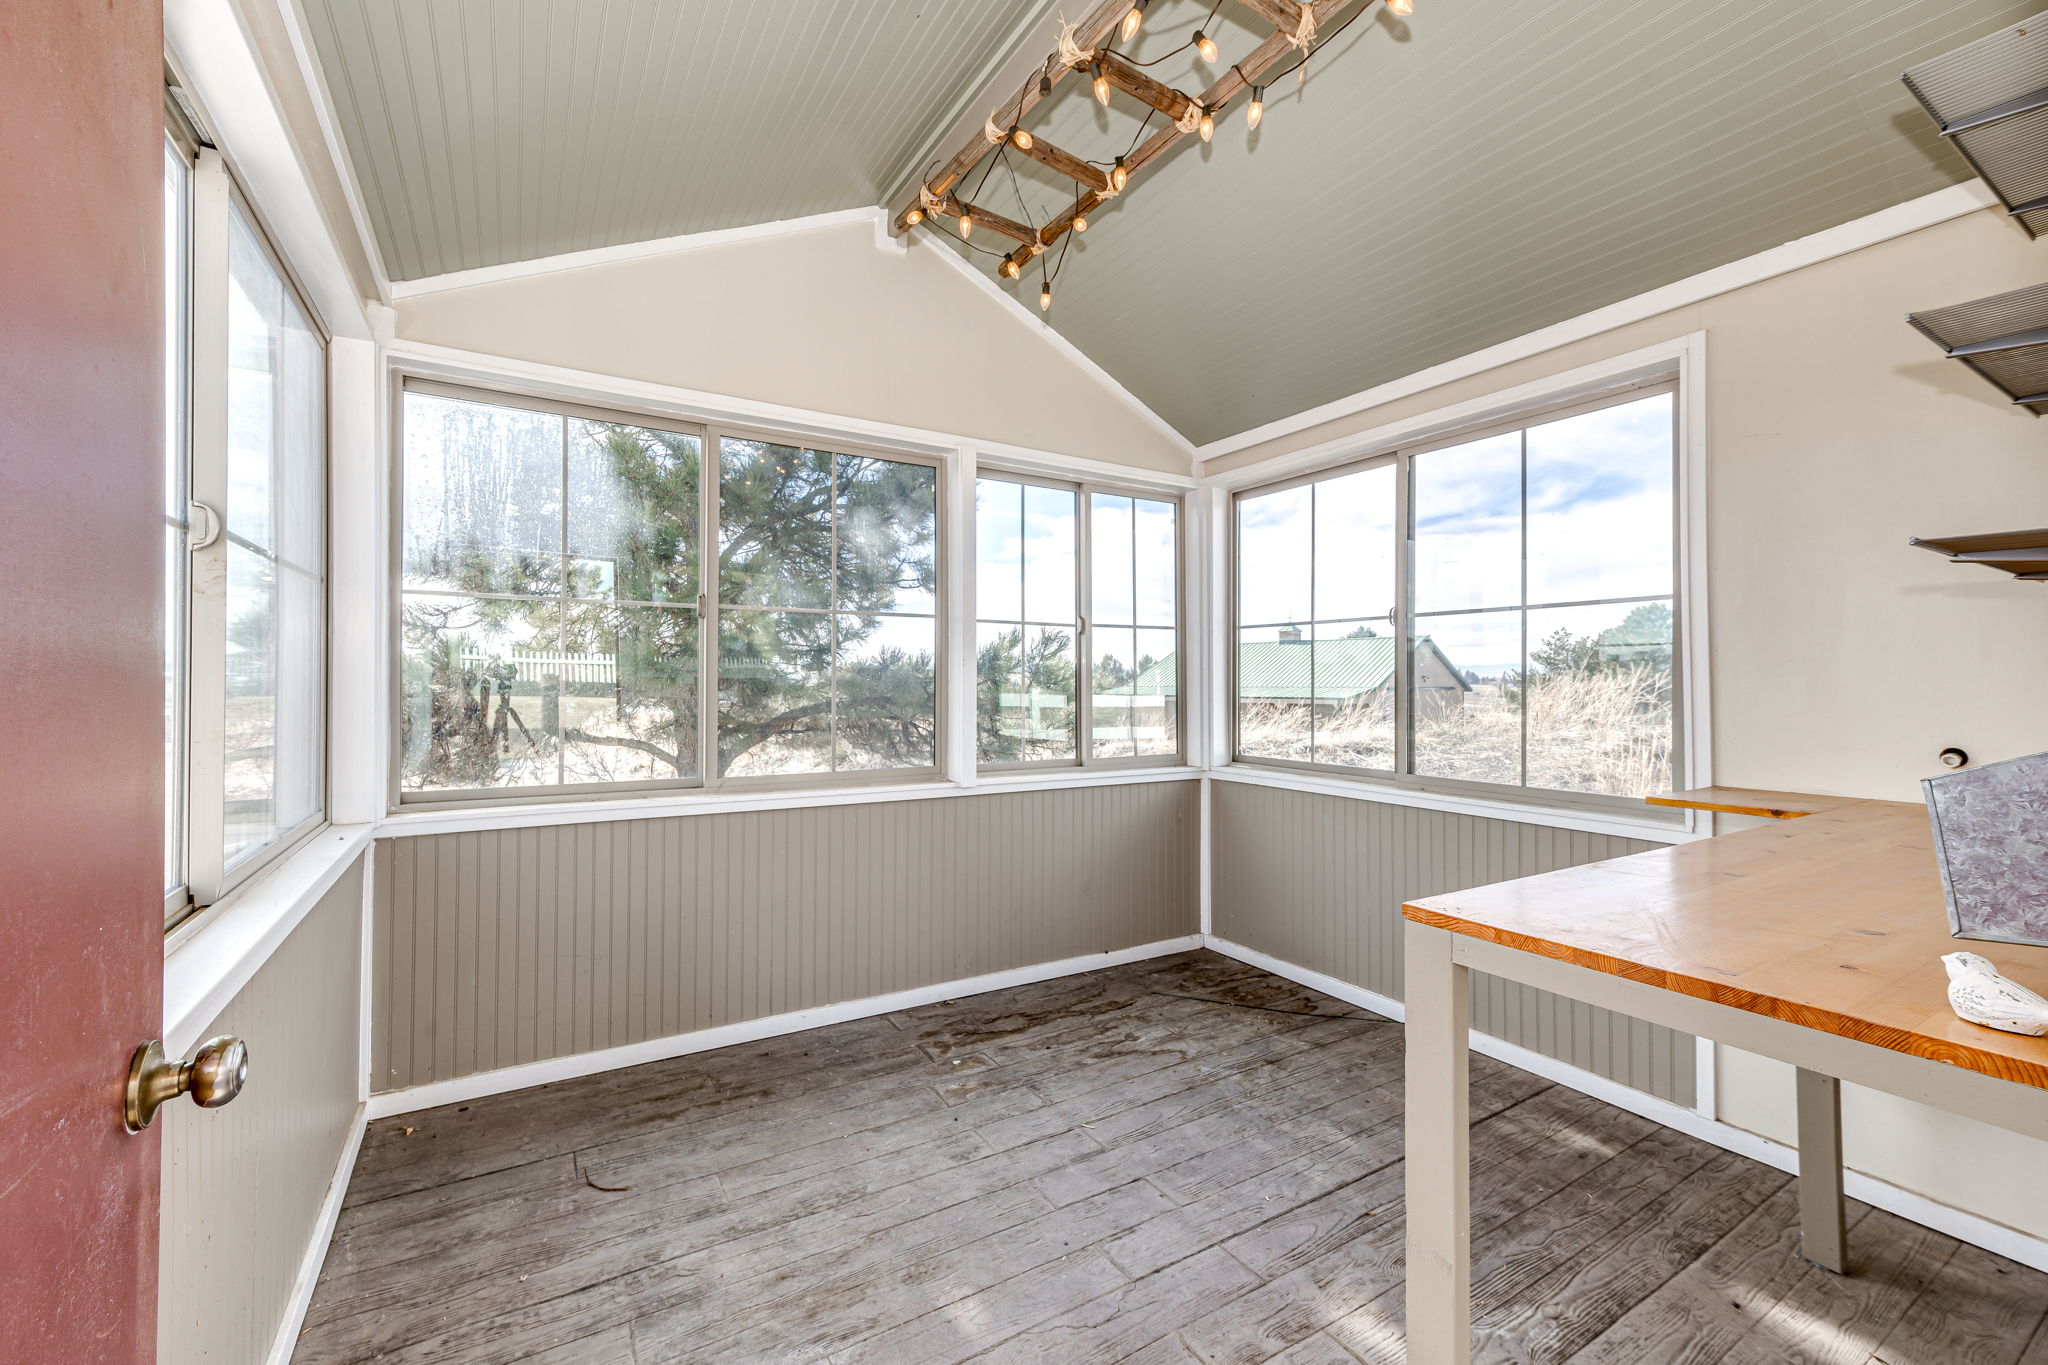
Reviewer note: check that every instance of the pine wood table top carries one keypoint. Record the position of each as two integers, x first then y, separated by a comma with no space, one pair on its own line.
1832,918
1750,801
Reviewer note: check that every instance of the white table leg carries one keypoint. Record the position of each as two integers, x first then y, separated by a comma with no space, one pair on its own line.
1823,1229
1439,1174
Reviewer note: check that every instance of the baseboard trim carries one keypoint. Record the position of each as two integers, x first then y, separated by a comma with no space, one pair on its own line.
465,1088
1979,1231
287,1338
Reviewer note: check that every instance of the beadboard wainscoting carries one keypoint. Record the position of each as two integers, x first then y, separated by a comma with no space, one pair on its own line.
248,1190
1317,881
503,948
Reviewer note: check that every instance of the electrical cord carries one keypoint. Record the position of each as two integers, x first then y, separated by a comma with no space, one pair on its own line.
1203,28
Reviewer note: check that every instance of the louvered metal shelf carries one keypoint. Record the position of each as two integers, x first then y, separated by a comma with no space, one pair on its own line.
1990,99
2004,338
2023,554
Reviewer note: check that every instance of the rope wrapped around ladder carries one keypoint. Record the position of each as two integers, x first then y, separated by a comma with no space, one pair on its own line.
1304,35
1072,54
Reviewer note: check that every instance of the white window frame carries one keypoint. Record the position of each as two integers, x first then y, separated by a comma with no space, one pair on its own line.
179,143
1677,366
1084,492
707,780
214,199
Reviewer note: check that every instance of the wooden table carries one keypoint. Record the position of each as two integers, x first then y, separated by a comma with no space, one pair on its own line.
1815,939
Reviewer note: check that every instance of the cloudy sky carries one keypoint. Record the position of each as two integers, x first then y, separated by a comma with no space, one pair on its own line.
1599,526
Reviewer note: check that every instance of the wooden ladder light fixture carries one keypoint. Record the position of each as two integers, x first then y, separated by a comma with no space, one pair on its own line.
1298,26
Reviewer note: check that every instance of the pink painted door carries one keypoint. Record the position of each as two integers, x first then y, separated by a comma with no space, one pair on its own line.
81,690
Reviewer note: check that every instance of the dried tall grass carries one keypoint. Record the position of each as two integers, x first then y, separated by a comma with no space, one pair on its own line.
1607,733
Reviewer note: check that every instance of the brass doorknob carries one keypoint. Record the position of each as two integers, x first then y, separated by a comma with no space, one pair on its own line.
212,1078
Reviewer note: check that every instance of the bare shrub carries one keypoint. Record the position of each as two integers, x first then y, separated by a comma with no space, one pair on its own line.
1358,733
1606,732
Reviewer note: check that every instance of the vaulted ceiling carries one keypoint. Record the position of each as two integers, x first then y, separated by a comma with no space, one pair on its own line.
487,131
1441,183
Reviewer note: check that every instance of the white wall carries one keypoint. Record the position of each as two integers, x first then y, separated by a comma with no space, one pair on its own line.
1956,1161
1843,659
823,319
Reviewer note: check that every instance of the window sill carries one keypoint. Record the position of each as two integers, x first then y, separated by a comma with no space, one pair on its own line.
1650,828
518,815
212,956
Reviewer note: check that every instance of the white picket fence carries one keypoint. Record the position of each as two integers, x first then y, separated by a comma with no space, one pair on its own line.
533,665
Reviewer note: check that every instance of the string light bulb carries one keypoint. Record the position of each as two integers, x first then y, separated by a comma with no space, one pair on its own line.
1256,110
1045,298
1207,127
913,218
1101,87
1206,45
1009,268
1080,222
1404,8
1021,138
1133,18
1119,176
966,224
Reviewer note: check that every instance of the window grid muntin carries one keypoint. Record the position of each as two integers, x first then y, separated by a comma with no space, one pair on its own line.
1313,483
564,414
1134,626
242,862
215,210
177,526
1083,672
837,451
706,605
1404,775
1084,646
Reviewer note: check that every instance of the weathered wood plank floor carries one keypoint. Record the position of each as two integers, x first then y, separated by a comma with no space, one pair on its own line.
1096,1169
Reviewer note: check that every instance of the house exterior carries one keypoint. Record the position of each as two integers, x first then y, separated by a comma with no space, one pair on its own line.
1326,674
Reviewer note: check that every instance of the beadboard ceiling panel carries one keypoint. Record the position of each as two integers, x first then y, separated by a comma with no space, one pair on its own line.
1440,184
487,131
1479,171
